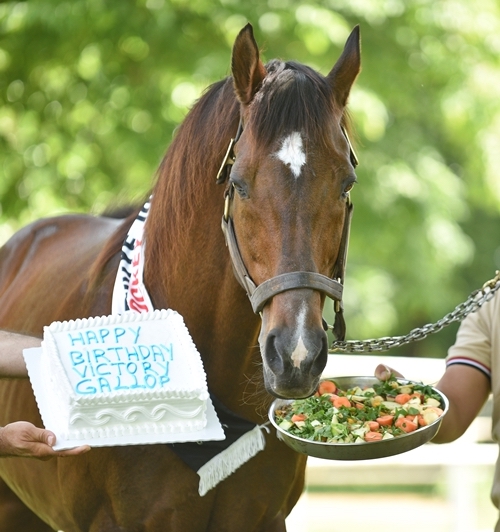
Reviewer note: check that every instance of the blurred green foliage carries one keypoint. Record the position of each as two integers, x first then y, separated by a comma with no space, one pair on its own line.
92,90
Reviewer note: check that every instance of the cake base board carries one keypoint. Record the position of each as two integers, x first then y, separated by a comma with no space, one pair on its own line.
212,431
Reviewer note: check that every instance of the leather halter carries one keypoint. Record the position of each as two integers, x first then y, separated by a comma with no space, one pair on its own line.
261,294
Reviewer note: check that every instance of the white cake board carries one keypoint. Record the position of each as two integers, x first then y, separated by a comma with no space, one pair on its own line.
212,431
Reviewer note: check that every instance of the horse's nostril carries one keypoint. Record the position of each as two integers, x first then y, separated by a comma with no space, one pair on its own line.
321,359
273,357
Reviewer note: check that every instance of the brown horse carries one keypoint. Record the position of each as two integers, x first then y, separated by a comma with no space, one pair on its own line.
286,199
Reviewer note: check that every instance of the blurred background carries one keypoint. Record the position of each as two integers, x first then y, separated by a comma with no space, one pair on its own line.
91,92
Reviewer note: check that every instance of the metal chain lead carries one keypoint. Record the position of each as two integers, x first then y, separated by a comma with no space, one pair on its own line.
473,302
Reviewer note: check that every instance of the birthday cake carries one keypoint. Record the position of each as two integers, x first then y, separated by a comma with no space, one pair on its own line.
121,375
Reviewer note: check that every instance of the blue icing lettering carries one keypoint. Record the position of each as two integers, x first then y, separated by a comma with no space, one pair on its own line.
103,334
136,383
121,363
90,365
82,372
119,366
158,353
146,366
163,368
136,333
169,350
76,338
98,354
144,350
150,380
116,351
104,385
89,390
132,368
100,371
132,353
119,386
119,332
92,338
76,357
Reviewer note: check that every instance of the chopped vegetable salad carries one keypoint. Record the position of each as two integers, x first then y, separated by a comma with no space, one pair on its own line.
385,410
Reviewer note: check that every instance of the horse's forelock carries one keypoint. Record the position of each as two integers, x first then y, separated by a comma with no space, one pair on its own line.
293,97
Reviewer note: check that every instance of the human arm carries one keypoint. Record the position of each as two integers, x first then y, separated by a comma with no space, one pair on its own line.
22,439
467,389
12,363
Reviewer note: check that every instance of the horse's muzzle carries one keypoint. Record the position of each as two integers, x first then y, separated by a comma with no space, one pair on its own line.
293,366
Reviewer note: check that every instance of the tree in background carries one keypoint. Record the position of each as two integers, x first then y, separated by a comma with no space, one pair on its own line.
91,92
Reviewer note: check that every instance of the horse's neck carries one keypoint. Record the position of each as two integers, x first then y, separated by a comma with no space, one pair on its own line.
194,276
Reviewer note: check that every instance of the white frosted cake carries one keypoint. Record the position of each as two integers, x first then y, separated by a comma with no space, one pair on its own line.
121,375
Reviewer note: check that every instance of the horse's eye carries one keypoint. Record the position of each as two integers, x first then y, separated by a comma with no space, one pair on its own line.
348,187
240,187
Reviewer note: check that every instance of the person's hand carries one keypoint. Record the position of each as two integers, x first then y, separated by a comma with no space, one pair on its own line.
23,439
383,372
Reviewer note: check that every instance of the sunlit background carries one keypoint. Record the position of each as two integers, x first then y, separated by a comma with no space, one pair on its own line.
91,92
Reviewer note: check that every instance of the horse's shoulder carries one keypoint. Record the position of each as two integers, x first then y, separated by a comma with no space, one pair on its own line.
69,225
59,263
59,239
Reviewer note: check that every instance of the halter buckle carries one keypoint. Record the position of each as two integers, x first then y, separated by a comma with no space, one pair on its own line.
352,153
228,160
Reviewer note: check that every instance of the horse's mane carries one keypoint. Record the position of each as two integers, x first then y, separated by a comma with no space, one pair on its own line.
189,166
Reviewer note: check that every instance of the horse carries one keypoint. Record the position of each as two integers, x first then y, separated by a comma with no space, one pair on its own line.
266,149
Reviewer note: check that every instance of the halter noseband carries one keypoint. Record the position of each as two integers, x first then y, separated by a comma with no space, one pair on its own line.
261,294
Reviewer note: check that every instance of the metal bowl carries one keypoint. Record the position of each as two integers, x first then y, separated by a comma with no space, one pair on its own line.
358,451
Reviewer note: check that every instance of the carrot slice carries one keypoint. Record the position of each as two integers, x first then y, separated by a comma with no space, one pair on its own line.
385,421
402,398
421,421
299,417
406,425
332,397
373,436
341,401
326,387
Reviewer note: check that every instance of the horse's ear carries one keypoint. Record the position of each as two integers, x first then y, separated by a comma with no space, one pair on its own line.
346,69
247,68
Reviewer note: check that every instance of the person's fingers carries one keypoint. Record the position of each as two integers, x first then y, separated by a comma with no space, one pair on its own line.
383,372
48,438
73,452
43,436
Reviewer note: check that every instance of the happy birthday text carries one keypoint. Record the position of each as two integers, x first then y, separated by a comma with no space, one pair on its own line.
115,358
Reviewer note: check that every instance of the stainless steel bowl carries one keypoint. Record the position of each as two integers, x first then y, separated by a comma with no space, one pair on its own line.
358,451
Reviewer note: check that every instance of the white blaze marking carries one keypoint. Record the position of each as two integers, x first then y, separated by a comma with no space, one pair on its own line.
292,153
300,352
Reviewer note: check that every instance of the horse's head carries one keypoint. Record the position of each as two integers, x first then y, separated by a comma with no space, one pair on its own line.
287,204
